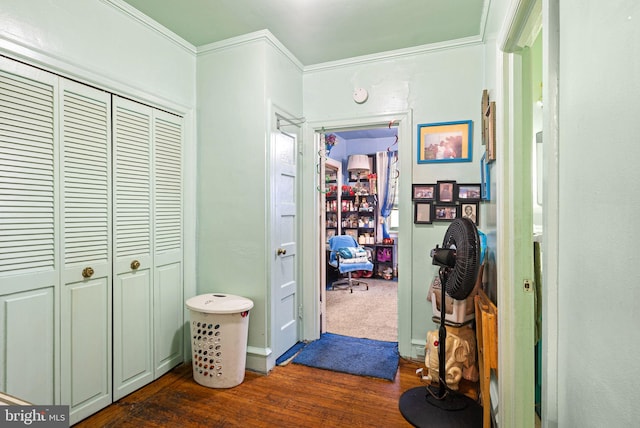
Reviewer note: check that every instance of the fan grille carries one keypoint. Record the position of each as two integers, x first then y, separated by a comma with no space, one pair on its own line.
462,235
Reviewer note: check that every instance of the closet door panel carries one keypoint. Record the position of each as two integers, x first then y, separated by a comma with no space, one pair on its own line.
169,317
168,183
168,288
132,317
29,274
27,332
89,318
133,292
86,300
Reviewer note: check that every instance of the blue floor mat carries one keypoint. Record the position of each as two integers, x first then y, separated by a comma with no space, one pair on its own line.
364,357
290,353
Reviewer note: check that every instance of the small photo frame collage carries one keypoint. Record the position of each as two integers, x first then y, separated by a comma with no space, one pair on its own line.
446,200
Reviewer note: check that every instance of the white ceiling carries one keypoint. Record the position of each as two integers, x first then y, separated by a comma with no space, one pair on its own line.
318,31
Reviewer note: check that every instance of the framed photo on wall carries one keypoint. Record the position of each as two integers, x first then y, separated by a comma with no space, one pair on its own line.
423,192
422,213
470,210
446,191
445,142
445,212
468,192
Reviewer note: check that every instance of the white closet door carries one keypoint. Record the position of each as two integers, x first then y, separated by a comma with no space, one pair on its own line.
133,293
29,275
148,299
86,249
168,289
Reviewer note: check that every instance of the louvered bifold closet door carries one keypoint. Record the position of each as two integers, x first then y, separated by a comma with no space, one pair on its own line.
168,248
29,276
133,292
85,130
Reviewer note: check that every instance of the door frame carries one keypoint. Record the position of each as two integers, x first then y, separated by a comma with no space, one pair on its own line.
323,231
516,382
550,210
311,236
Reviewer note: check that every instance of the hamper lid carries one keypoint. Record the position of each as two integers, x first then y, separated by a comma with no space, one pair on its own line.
219,303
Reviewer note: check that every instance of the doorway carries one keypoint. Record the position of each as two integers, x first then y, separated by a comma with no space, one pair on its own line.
313,268
360,201
521,216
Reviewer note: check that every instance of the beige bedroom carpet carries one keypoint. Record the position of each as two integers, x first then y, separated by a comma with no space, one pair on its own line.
370,314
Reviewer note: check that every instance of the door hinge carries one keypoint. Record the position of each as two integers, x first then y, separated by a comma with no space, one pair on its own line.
300,311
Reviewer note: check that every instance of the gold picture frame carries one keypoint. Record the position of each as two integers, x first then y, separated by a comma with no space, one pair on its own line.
445,142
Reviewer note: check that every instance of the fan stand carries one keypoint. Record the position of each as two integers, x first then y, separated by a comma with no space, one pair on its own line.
440,407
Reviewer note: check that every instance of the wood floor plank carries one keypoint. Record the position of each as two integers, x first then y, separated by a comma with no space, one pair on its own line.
290,396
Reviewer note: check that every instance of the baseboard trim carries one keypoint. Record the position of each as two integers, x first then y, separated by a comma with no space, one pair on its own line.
259,359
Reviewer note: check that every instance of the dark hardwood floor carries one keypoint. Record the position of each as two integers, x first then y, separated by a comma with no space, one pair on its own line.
290,396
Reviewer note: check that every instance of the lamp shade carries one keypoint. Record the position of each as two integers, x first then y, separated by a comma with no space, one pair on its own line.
358,163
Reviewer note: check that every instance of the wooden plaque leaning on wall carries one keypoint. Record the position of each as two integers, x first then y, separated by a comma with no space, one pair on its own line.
484,106
491,132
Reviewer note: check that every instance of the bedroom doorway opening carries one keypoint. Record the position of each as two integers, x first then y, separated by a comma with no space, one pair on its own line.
361,203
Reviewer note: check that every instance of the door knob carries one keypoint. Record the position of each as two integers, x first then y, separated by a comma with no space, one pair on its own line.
282,251
135,264
87,272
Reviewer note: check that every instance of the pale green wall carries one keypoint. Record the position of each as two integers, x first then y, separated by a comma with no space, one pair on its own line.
97,43
235,86
437,86
283,77
231,178
598,156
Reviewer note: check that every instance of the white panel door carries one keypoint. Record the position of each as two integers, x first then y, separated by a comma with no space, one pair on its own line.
284,286
29,276
85,136
132,290
167,284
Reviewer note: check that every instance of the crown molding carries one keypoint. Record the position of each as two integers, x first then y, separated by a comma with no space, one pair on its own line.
484,18
267,36
153,25
256,36
523,23
396,54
